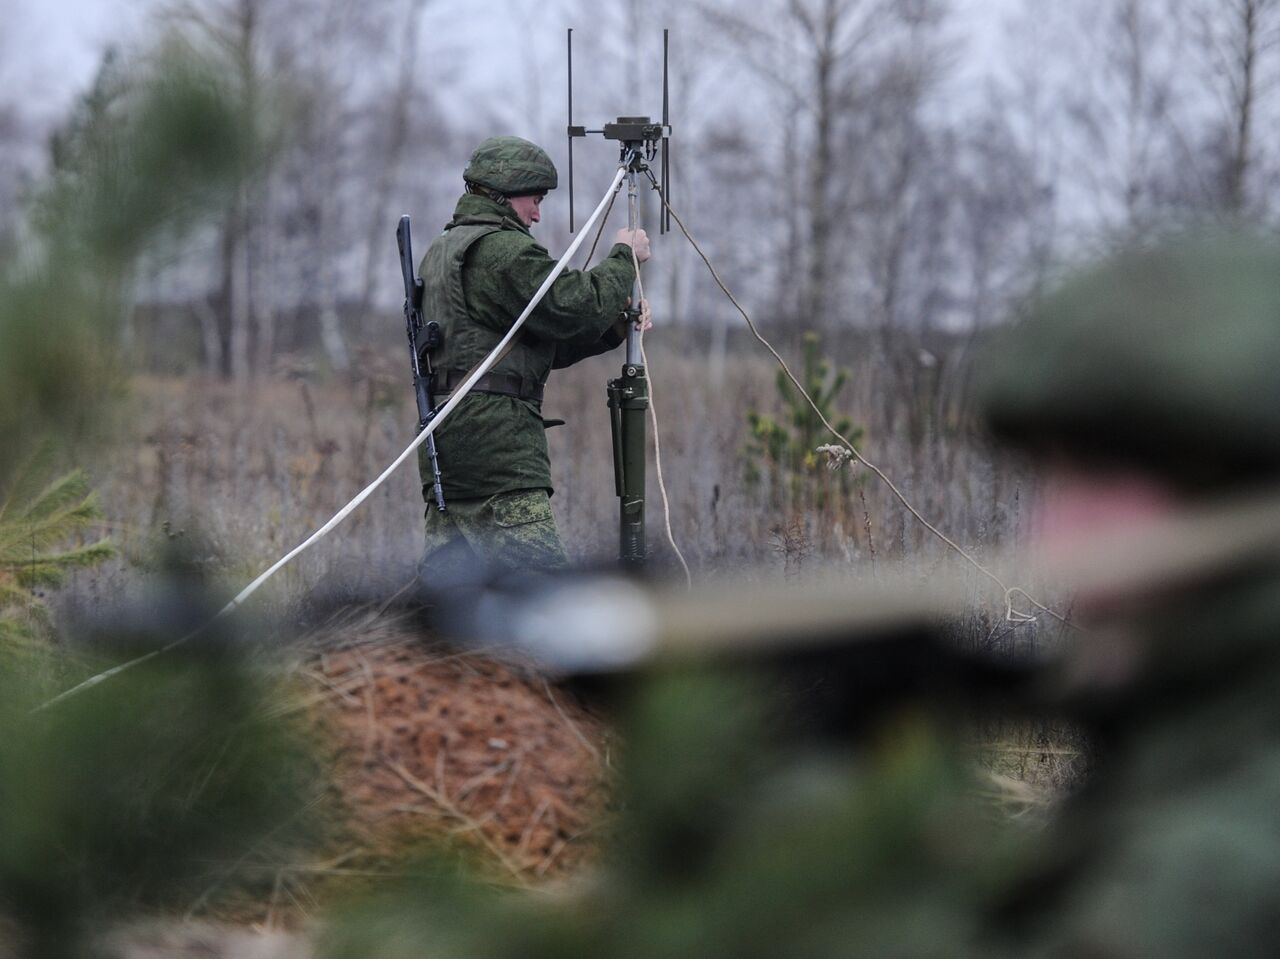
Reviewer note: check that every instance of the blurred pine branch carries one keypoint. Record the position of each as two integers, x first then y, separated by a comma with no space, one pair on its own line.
40,523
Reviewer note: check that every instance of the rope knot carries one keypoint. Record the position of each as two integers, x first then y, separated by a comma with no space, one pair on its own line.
837,456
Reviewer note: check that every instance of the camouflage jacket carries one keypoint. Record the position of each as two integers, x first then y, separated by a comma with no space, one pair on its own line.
479,275
1172,849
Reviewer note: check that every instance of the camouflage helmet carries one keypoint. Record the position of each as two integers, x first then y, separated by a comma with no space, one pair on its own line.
512,166
1166,359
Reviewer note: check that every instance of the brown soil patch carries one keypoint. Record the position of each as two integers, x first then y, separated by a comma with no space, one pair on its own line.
428,743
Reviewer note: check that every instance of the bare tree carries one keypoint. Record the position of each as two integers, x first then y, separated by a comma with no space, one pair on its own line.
306,236
1238,42
1004,227
233,31
1119,79
15,134
831,65
1148,138
404,106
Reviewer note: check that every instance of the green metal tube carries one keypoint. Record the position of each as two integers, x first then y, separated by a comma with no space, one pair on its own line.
628,403
634,404
615,430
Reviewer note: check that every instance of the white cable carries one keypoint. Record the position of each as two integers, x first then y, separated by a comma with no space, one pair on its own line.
657,435
364,494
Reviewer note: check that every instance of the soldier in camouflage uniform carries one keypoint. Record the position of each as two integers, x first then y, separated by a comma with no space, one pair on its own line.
479,275
1149,387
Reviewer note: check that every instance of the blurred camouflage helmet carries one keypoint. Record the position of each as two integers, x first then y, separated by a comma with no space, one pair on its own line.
512,166
1165,359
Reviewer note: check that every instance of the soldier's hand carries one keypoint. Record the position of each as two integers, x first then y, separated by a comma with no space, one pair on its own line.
643,323
638,240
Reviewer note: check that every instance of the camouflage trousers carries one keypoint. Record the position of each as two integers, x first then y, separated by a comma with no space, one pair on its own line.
507,531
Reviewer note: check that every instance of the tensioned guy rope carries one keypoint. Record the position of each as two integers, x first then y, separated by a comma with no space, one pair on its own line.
653,419
1009,591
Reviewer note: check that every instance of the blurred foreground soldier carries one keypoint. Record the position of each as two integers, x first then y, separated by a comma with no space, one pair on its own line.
479,275
1149,388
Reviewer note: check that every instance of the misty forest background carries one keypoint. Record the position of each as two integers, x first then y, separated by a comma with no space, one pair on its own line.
877,194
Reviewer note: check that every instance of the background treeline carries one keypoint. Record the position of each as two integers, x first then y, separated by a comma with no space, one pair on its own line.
846,163
883,176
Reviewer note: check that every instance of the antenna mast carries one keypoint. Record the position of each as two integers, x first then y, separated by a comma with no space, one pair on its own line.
641,142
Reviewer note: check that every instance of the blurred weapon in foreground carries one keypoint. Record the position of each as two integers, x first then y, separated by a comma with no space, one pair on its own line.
850,645
839,655
574,624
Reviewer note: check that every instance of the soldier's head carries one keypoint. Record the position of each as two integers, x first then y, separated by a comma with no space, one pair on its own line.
1163,360
514,172
1146,383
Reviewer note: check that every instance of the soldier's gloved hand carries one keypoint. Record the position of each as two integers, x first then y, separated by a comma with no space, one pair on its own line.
638,240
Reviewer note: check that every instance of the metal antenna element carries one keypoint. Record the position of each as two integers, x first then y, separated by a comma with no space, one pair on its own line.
570,52
641,140
664,213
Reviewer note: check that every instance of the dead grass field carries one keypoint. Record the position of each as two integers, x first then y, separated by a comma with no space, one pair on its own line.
425,745
240,474
237,475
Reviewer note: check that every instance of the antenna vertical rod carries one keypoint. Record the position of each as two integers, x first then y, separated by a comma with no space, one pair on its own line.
628,402
633,216
666,50
569,40
664,214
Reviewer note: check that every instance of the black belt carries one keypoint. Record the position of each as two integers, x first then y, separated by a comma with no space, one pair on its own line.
502,384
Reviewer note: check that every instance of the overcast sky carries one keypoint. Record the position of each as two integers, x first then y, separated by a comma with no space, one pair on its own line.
50,48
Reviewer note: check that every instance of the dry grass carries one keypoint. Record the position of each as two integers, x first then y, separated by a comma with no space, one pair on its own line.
241,474
918,439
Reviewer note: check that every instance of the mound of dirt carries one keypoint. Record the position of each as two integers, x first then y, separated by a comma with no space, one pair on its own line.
427,743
